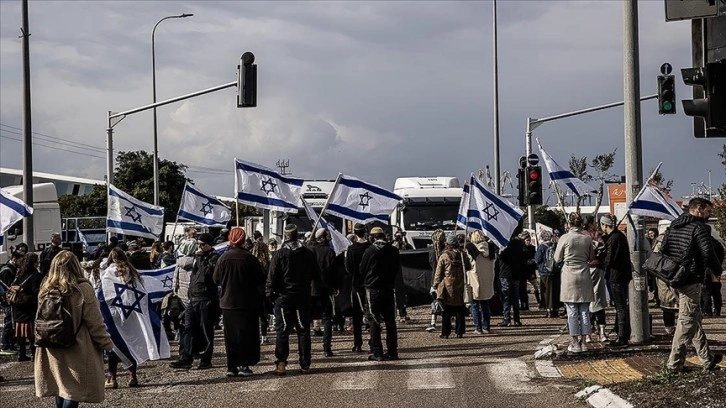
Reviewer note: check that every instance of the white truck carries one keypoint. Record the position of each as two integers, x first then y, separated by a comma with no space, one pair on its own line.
428,203
316,193
46,218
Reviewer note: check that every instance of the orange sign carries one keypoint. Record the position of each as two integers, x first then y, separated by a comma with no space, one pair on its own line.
616,196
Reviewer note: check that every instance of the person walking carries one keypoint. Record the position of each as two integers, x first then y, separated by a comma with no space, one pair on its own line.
325,287
240,276
481,279
379,266
261,251
618,270
73,374
575,250
353,256
292,269
449,282
689,241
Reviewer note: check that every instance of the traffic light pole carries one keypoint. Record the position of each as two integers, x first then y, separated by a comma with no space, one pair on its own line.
533,123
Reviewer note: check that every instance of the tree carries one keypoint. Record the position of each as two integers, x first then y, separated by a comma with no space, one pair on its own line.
720,205
578,167
602,163
660,181
552,218
133,175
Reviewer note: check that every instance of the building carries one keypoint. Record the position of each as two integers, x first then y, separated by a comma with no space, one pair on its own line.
64,185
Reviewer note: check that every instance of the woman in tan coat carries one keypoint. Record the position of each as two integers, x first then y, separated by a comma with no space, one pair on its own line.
575,249
73,374
481,280
449,283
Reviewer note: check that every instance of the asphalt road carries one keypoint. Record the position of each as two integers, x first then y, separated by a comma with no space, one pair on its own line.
495,370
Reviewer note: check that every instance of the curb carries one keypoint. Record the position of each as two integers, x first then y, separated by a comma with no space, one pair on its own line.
596,396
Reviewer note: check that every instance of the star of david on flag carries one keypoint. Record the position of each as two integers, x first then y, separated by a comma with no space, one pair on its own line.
481,209
339,241
130,216
265,188
360,201
203,208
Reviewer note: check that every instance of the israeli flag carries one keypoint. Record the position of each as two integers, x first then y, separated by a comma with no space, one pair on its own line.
496,217
12,210
339,241
654,203
357,200
131,320
129,216
564,178
202,208
82,238
462,220
158,282
265,188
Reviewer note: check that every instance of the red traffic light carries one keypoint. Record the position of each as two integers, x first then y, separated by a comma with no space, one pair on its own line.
533,175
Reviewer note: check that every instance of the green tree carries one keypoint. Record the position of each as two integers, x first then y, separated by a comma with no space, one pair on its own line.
601,163
244,212
720,204
551,218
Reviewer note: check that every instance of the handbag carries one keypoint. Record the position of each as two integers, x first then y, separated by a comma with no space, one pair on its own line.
672,271
437,307
15,294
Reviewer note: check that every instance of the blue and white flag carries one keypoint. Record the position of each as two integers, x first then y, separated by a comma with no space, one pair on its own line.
496,217
654,203
12,210
202,208
339,241
563,177
158,282
82,238
131,320
265,188
129,216
360,201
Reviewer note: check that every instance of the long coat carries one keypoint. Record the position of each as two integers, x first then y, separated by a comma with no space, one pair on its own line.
449,278
76,373
481,276
575,249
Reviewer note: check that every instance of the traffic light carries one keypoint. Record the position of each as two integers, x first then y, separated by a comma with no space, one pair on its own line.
521,186
247,81
711,108
666,94
534,185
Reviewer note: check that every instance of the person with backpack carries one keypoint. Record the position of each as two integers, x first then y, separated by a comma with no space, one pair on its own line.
25,303
449,283
71,374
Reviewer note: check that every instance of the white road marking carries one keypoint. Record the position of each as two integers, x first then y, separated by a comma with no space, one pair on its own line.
512,376
435,377
365,379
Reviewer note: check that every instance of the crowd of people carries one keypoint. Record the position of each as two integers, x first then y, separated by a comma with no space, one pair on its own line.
303,287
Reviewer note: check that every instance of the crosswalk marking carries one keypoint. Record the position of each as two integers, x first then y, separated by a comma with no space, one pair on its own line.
435,377
511,376
359,380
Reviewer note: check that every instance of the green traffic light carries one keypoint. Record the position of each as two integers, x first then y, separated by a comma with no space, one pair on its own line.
667,106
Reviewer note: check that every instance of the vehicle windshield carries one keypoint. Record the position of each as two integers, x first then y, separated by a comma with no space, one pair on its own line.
430,217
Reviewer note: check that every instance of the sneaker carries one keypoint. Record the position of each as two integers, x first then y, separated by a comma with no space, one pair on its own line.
485,331
574,348
280,368
588,339
583,347
203,366
374,357
245,371
133,382
478,331
713,364
232,373
504,323
305,370
181,364
517,323
431,328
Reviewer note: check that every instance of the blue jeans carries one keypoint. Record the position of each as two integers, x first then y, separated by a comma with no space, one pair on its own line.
510,303
285,321
578,318
8,334
480,314
64,403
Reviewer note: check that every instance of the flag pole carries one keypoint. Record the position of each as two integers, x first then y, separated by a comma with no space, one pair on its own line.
642,189
181,205
325,207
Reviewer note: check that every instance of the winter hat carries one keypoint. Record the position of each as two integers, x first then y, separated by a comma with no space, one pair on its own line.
452,240
358,227
237,236
206,238
608,220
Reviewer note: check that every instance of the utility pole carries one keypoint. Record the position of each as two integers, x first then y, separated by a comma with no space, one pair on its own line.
639,316
497,164
27,131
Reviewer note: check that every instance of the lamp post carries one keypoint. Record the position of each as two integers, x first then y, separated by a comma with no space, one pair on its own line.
153,79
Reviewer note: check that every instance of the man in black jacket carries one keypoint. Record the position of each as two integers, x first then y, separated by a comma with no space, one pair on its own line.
292,269
46,257
689,242
358,295
325,287
379,266
619,271
202,312
512,268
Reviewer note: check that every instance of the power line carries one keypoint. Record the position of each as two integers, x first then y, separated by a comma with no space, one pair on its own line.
52,147
16,130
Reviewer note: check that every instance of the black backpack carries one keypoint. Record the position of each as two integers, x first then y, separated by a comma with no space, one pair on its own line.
54,322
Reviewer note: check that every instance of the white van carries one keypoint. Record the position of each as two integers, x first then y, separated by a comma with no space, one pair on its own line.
46,218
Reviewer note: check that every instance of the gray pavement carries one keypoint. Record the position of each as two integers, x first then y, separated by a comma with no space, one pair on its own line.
495,370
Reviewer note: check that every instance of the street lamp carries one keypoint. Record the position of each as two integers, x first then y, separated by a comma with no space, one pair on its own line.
153,78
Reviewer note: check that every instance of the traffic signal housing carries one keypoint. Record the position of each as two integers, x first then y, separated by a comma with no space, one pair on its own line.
712,108
666,94
521,187
247,81
533,180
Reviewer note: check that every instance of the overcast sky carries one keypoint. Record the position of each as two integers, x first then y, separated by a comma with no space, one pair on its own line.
377,90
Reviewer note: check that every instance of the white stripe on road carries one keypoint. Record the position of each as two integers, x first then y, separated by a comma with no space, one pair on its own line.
512,376
435,377
365,379
254,385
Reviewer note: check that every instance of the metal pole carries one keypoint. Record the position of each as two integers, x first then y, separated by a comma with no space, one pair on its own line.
109,164
528,142
497,167
710,192
639,316
153,80
28,230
